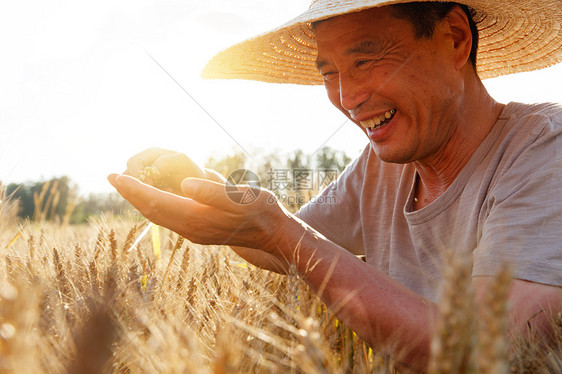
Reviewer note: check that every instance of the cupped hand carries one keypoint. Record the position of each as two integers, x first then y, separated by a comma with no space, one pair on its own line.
207,213
162,168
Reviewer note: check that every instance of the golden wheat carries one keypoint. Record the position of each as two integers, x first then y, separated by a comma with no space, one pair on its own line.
72,299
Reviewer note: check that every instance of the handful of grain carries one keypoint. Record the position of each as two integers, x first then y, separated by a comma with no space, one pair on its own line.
151,175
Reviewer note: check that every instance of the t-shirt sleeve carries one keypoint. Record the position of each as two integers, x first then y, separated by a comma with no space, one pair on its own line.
523,227
335,211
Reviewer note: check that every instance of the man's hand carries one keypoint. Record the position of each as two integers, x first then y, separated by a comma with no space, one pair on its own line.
164,169
206,214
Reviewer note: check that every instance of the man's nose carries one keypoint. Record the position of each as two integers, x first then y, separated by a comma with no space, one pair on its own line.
353,91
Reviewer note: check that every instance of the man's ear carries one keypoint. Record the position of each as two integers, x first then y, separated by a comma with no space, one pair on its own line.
461,34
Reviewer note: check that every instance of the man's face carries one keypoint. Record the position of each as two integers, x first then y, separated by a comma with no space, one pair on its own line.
404,90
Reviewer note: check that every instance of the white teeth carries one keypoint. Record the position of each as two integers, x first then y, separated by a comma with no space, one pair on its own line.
367,124
376,121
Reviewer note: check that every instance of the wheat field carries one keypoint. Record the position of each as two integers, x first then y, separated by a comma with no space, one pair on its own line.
81,299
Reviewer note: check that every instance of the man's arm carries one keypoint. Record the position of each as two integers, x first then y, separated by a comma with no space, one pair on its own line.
383,312
532,307
262,259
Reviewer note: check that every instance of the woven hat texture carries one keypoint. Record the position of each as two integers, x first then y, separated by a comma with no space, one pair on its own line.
514,36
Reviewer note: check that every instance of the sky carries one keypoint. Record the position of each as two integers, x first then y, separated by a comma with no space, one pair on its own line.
85,85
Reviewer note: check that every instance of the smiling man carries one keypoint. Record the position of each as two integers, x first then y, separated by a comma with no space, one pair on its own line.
446,168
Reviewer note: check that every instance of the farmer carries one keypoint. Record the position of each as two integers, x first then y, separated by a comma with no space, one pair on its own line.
447,168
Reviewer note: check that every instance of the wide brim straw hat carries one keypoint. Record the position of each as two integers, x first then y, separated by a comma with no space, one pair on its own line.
514,36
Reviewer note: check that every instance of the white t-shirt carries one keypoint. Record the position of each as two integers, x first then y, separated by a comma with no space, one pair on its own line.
505,205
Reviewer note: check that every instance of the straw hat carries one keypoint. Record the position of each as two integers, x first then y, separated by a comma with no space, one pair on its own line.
514,36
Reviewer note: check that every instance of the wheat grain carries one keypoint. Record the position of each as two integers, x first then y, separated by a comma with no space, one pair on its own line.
112,245
452,344
60,272
492,329
129,240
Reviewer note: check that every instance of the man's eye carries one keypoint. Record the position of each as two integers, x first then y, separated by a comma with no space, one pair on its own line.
362,63
330,76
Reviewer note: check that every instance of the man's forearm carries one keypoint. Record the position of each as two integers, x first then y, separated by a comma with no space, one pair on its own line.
261,259
386,314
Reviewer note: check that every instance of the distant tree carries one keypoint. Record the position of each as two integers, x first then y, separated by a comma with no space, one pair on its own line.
329,158
97,204
57,200
228,164
43,200
8,208
21,193
298,160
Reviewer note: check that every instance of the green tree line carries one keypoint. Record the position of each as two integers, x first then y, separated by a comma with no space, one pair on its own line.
58,199
295,177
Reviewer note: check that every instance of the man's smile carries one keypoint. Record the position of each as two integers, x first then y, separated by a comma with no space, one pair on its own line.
378,121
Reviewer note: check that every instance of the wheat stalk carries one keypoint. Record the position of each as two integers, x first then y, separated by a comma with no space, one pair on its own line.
452,344
493,323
